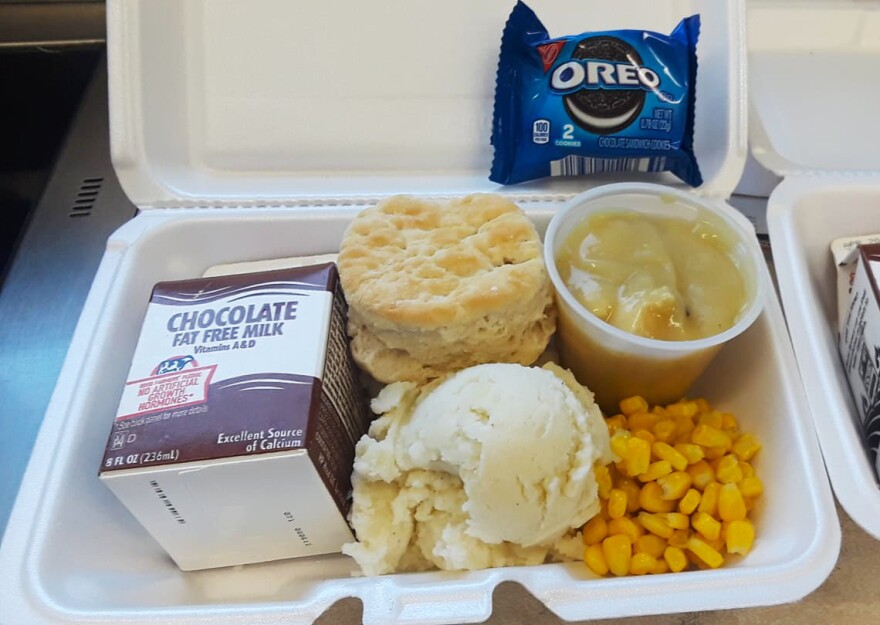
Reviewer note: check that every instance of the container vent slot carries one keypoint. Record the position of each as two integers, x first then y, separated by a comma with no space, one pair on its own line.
85,197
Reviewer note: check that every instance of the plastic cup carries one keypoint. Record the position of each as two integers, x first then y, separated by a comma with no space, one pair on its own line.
614,363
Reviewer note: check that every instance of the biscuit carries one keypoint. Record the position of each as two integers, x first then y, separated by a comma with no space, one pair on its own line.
436,287
605,111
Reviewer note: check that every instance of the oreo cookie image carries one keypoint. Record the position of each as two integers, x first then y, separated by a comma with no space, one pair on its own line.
605,111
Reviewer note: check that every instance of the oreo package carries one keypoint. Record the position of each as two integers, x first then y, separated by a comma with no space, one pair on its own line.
598,102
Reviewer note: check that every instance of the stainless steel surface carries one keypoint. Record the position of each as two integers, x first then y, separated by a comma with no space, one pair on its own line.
51,24
44,291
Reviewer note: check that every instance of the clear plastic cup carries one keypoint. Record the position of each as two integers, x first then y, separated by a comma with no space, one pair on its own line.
614,363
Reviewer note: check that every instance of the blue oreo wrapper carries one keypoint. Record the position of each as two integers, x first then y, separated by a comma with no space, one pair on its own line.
598,102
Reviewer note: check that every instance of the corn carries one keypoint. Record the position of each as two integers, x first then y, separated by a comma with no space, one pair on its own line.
709,500
705,552
679,538
706,525
633,404
712,418
656,470
642,421
677,520
664,430
747,469
661,566
616,503
655,524
632,490
651,499
617,550
746,446
645,435
642,563
701,474
714,453
617,422
674,485
739,537
595,530
702,404
689,502
638,456
675,558
625,526
683,429
729,424
751,487
731,506
707,436
651,544
728,471
661,411
693,453
687,409
594,556
603,479
667,452
620,444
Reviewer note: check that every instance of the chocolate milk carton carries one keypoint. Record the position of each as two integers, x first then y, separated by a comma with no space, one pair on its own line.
235,433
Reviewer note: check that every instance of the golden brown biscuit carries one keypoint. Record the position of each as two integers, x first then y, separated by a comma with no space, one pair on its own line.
436,287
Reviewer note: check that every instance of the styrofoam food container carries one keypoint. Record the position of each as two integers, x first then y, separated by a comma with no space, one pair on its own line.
223,132
616,363
831,189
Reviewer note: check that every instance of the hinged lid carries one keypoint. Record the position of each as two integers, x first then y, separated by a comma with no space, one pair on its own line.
225,102
814,81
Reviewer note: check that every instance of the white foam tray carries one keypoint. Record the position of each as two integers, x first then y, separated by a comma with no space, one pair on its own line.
831,189
225,104
73,554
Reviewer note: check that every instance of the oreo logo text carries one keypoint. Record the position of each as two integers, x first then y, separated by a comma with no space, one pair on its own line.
575,74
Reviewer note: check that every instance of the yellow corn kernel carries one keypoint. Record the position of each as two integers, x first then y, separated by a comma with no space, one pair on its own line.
617,422
603,509
731,506
651,499
674,485
656,470
633,404
638,456
751,486
689,502
712,418
642,421
714,453
664,430
603,479
675,558
705,552
642,563
687,409
739,536
729,423
667,452
693,453
595,530
701,474
683,429
707,436
617,550
746,446
677,520
728,471
709,500
747,469
706,525
651,544
679,538
661,566
625,526
620,443
594,556
645,435
655,524
616,503
632,490
750,503
702,404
